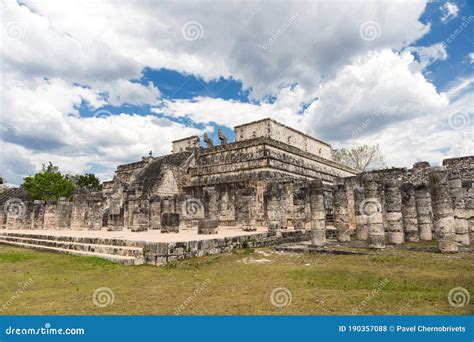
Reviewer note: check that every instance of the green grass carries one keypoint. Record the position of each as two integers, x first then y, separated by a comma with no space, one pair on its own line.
233,284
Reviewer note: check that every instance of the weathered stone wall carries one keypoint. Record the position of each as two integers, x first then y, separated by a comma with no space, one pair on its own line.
271,129
185,144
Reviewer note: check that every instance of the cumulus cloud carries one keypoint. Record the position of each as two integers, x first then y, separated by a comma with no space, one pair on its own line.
429,54
308,64
302,40
449,11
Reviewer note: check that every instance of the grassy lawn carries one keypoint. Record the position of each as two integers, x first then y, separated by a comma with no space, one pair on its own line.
406,282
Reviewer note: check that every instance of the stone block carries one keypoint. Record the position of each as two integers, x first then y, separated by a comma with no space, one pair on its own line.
170,223
208,226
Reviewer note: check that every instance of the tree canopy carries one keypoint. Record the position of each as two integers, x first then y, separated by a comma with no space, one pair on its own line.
48,184
360,157
89,181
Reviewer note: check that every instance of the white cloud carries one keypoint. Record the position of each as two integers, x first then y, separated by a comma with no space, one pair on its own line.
449,11
89,55
125,92
471,58
118,41
429,54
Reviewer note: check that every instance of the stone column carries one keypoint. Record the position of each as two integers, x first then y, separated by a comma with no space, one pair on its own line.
273,206
341,213
318,214
79,211
424,212
249,207
17,214
372,207
64,213
140,217
37,215
393,205
458,194
299,199
116,218
50,215
155,213
209,225
443,212
409,213
96,211
468,185
284,204
350,184
361,219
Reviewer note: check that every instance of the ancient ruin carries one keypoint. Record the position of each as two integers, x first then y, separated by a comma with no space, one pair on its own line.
272,184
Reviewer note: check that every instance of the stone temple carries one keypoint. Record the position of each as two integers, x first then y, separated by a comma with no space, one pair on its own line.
272,185
230,178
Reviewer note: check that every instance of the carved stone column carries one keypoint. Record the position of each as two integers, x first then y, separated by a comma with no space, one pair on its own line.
458,194
318,214
443,212
341,213
409,213
468,185
37,215
209,225
372,207
424,211
360,217
393,205
140,217
273,206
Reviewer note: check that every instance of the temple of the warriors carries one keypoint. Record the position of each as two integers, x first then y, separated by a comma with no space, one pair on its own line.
230,180
273,184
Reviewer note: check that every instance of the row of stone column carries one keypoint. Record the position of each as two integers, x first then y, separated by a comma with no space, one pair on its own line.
57,215
407,212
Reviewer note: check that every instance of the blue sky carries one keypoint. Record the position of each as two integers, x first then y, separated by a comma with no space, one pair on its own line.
91,87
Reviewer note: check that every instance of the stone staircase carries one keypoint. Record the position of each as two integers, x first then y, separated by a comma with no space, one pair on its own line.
110,249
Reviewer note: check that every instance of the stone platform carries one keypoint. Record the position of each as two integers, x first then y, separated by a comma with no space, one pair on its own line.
356,247
149,247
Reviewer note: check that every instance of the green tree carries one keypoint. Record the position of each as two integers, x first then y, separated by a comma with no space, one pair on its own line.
89,181
49,184
360,157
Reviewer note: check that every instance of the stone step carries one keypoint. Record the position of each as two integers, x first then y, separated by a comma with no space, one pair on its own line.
119,259
78,239
85,247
